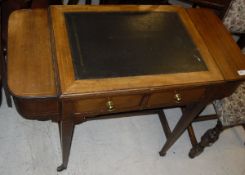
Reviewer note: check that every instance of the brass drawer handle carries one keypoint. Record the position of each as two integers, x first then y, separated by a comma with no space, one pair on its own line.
110,106
177,98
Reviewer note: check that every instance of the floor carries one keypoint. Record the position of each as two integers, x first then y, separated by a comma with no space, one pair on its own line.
125,146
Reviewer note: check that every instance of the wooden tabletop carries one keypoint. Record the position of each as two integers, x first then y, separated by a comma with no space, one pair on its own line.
40,64
30,67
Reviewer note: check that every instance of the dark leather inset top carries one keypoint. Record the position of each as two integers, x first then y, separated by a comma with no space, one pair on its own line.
114,44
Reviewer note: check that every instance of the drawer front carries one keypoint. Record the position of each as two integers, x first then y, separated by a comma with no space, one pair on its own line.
175,97
105,105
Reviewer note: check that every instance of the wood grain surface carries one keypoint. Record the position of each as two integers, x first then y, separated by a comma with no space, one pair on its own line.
30,67
221,45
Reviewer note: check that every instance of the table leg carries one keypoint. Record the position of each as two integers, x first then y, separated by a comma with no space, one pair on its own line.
66,129
188,116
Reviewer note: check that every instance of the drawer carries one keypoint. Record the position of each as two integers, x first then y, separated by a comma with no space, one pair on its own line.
175,97
108,104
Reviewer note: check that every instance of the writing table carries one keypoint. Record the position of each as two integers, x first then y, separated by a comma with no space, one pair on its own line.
70,64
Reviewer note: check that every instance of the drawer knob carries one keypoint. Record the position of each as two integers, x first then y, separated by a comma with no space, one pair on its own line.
110,106
177,98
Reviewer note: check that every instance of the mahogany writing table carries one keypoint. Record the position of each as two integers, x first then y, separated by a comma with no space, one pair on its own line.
75,63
